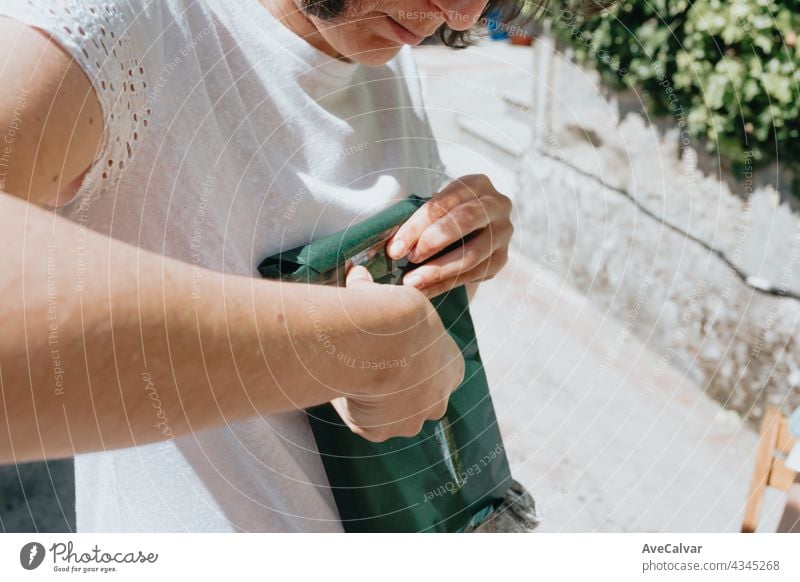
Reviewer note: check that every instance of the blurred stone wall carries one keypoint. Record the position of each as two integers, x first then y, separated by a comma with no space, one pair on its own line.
650,248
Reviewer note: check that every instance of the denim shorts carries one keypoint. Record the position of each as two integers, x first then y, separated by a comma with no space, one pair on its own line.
516,513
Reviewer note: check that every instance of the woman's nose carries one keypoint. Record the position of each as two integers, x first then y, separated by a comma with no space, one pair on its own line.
461,14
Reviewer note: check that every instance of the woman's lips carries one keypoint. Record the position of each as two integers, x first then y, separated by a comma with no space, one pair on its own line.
403,34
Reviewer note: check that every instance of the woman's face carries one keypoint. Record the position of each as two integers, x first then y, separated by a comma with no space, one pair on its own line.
373,31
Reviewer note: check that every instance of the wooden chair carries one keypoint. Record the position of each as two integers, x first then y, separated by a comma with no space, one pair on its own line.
774,444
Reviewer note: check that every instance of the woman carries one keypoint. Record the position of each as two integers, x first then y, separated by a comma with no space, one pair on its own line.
183,141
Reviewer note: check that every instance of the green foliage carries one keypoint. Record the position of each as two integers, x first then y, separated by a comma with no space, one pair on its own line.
726,70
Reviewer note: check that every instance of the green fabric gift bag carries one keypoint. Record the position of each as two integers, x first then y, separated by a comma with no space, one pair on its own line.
453,474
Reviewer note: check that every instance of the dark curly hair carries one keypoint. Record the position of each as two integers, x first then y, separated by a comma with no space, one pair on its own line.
508,10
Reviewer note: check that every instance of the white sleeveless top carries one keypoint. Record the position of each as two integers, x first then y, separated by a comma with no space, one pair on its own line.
228,138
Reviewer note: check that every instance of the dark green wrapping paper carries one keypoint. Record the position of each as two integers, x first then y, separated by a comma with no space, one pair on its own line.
450,475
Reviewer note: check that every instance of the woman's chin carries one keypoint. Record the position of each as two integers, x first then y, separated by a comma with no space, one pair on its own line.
377,56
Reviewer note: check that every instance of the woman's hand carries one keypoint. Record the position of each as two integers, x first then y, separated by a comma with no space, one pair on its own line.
469,207
416,390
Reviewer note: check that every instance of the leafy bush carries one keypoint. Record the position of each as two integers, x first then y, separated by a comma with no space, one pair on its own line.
727,70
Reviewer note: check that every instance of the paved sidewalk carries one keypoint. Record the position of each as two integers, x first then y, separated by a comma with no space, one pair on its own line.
604,435
37,497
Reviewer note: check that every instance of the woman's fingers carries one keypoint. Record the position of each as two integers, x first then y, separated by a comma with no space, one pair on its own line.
459,261
482,272
382,418
358,276
462,220
462,190
456,262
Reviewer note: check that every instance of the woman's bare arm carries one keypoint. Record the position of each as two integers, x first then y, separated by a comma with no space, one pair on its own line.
143,349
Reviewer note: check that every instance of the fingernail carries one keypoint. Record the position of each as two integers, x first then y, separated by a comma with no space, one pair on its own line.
413,280
397,249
